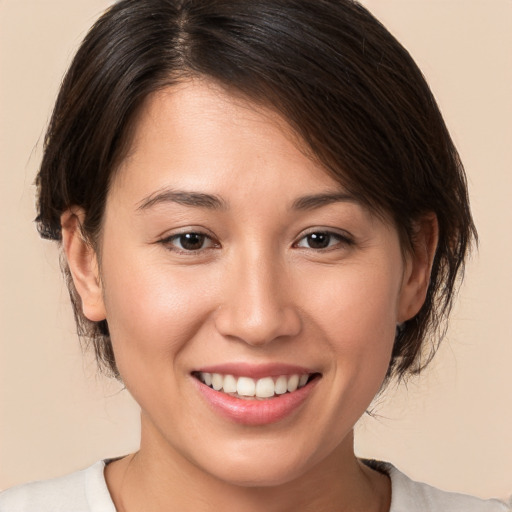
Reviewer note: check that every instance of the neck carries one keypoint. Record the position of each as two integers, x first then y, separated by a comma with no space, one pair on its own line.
159,478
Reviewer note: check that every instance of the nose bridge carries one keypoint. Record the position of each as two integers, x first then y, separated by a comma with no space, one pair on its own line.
257,307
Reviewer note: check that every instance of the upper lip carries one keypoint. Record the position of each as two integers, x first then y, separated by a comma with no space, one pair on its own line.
255,371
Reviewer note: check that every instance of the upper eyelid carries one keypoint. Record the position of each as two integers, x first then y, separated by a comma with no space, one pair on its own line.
328,231
186,231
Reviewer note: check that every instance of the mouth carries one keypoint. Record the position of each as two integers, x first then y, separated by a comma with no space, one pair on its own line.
247,388
255,395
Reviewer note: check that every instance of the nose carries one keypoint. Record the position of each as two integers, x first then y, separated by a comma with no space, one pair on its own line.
258,305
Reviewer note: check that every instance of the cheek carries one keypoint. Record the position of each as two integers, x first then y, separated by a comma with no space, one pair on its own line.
355,311
357,305
152,310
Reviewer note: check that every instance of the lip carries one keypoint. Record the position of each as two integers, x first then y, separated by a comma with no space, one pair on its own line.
256,371
255,412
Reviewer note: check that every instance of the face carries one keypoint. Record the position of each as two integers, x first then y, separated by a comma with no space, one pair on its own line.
228,255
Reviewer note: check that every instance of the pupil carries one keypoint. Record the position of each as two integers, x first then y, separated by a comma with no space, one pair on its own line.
318,240
192,241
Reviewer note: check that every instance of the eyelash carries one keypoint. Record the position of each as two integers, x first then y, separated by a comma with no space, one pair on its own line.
343,240
168,242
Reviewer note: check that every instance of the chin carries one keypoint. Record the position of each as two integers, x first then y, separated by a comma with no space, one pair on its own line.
261,464
260,473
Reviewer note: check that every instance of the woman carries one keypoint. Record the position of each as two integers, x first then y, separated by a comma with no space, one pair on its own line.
263,218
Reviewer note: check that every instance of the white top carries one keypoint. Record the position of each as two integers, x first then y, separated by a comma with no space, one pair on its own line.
86,491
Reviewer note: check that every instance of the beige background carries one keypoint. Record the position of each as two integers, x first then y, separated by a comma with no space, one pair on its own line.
452,427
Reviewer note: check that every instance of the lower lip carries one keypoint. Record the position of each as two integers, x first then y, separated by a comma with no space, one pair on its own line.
255,412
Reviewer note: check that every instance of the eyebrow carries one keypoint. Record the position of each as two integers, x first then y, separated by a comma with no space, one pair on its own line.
315,201
213,202
186,198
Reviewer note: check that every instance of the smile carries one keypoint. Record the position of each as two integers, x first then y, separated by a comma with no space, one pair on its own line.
249,388
255,395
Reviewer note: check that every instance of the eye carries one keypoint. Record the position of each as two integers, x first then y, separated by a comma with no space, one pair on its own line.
189,242
322,240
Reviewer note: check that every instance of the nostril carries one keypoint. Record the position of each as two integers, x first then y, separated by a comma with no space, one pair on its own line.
258,326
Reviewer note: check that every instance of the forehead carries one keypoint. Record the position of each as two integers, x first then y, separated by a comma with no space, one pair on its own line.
198,134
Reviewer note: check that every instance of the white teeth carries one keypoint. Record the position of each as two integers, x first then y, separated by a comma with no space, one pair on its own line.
246,386
265,387
217,381
229,384
206,378
281,385
293,383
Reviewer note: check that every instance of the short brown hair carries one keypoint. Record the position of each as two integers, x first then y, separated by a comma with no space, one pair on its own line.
347,87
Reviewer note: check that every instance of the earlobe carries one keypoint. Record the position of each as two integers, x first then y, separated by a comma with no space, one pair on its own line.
83,264
418,267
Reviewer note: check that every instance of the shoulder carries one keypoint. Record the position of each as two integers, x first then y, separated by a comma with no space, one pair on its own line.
410,496
82,491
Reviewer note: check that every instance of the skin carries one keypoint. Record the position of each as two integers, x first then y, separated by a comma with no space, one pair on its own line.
255,292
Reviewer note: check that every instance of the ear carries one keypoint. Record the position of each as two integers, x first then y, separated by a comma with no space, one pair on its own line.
83,264
418,266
